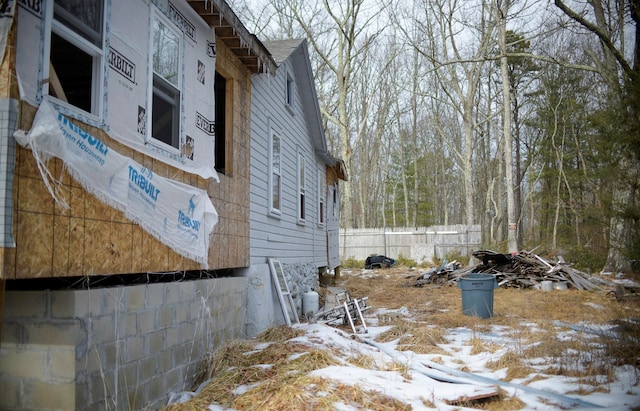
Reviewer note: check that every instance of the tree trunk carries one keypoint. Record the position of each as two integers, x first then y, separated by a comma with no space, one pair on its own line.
512,236
467,165
623,225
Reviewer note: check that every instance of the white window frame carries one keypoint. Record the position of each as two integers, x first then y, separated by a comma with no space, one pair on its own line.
322,199
275,170
98,54
301,191
149,138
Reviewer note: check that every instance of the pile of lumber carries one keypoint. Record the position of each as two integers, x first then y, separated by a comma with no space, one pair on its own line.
521,270
444,274
525,269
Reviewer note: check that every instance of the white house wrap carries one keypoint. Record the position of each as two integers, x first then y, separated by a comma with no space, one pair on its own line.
128,78
179,215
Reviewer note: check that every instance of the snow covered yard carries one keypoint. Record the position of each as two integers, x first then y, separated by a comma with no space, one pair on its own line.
541,350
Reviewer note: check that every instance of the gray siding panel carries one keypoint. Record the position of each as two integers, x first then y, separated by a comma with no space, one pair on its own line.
283,237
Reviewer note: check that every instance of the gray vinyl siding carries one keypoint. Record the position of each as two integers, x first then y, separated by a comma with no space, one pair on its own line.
283,237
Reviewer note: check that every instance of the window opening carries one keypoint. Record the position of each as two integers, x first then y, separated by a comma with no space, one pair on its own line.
334,208
289,91
220,95
165,104
321,197
275,172
301,188
76,54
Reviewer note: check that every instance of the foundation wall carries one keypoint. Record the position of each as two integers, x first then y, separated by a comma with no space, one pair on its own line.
263,309
114,348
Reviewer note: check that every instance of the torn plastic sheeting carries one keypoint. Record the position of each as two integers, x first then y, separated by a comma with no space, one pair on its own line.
179,215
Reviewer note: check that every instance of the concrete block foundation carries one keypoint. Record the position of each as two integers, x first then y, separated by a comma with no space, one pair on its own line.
118,348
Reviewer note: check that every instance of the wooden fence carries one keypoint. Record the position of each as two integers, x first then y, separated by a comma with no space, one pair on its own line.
421,244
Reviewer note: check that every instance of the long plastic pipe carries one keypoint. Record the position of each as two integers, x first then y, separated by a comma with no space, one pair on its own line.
428,366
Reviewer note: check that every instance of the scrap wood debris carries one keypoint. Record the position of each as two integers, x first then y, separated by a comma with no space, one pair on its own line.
438,275
521,270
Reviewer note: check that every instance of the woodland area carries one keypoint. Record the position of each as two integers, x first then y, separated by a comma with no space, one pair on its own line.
519,115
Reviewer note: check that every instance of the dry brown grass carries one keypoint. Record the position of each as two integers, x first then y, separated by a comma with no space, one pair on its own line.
504,402
531,317
423,340
401,328
531,313
363,361
229,355
279,334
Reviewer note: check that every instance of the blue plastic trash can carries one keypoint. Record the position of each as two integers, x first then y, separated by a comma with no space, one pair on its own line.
477,294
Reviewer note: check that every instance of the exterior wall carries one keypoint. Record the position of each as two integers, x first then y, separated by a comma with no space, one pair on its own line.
283,237
230,240
301,248
114,348
422,244
92,238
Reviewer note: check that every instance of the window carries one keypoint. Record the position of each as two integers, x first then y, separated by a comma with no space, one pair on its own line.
167,82
76,54
301,188
275,188
289,92
334,208
321,198
221,134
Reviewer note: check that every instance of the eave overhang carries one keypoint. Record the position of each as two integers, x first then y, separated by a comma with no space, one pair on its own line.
230,30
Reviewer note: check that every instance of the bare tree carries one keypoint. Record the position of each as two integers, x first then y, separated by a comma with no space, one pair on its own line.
458,64
352,30
502,10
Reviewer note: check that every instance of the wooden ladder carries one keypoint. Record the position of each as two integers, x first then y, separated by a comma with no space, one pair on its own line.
282,288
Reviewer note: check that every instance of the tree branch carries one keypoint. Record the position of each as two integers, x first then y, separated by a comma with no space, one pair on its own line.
604,38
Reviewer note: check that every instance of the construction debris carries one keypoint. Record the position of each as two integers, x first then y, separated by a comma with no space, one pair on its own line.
348,310
521,270
439,275
625,291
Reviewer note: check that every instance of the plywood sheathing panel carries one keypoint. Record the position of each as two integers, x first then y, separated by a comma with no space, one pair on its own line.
230,241
33,196
61,252
8,80
108,249
89,238
137,251
34,233
26,165
153,253
75,249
